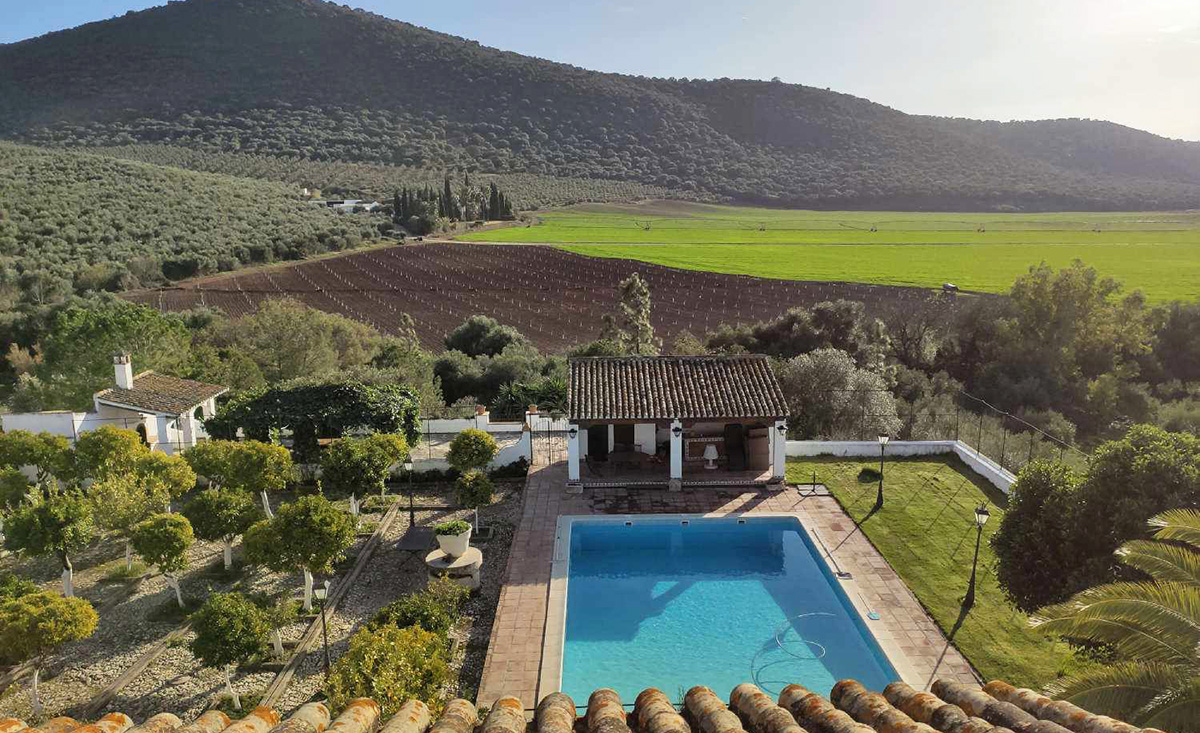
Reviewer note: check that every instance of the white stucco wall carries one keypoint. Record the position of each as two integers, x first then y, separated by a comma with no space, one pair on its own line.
507,455
644,437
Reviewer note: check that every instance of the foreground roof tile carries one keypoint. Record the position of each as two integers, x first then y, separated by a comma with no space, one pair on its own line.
952,707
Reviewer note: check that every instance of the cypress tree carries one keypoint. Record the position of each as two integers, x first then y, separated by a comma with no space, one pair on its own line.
448,197
493,202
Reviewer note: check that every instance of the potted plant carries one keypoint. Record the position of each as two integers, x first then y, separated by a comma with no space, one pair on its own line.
453,537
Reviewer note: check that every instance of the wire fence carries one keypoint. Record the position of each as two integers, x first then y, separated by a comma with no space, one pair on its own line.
1006,438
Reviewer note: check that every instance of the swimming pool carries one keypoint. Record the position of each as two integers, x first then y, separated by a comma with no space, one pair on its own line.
672,602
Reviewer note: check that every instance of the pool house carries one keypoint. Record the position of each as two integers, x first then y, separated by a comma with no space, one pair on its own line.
674,422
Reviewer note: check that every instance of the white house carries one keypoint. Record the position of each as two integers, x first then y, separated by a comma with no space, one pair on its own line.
675,421
165,410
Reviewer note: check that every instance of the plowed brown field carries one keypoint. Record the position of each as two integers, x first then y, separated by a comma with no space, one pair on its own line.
556,298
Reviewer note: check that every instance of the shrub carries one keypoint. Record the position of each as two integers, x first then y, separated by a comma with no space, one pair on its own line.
390,666
14,586
454,527
415,609
474,489
517,469
450,595
472,448
435,608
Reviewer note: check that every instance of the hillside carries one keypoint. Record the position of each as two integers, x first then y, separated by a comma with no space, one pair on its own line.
314,80
73,222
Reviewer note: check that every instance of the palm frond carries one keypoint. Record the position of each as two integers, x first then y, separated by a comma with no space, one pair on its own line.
1176,709
1161,560
1180,525
1149,622
1127,691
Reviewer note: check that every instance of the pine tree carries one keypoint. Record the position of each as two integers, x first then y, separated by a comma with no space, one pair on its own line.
636,331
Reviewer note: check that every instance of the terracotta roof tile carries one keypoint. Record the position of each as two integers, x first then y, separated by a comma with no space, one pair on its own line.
160,393
952,707
669,387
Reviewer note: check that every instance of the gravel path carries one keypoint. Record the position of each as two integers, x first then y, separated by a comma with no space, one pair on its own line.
177,683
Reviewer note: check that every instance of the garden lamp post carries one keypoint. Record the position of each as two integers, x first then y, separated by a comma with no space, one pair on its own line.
883,441
412,516
981,517
321,594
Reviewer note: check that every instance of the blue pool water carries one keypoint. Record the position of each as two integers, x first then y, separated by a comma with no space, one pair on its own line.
715,602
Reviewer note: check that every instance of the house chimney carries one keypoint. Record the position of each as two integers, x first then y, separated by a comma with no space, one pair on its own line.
123,366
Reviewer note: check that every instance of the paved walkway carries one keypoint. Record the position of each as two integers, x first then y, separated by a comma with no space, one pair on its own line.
523,659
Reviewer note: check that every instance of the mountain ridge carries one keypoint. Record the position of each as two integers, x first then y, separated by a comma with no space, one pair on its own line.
316,80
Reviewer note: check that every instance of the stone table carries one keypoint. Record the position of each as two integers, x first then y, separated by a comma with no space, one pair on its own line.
464,570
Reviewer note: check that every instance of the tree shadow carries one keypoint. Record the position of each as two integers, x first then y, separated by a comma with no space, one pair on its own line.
963,611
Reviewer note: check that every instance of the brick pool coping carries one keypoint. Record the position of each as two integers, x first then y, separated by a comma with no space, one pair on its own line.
524,656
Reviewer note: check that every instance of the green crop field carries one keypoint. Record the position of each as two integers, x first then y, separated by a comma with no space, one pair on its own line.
1156,252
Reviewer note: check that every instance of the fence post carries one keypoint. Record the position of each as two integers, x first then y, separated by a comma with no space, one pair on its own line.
1003,442
862,423
957,410
979,442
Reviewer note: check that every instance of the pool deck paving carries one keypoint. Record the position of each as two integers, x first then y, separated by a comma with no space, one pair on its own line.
524,655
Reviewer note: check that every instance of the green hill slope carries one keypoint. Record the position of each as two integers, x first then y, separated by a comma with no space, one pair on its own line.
319,81
73,222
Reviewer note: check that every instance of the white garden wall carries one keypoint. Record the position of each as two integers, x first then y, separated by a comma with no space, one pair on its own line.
980,464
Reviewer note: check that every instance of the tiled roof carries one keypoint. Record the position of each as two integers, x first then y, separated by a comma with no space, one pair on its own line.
159,393
952,707
669,387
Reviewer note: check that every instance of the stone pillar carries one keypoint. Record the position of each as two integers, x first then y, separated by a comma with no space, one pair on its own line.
778,450
676,455
572,452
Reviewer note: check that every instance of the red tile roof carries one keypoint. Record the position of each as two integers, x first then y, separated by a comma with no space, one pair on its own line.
160,393
668,387
952,707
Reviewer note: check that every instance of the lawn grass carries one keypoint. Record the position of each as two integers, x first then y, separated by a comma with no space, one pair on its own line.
1157,252
926,532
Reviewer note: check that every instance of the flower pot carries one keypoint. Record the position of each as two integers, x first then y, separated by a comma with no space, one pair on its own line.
454,545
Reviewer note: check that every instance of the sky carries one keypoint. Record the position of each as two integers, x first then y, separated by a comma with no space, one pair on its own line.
1135,62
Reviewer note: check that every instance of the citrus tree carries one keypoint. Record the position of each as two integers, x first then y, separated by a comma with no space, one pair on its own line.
360,464
49,454
221,515
120,501
472,448
474,490
59,524
230,628
163,540
308,535
279,613
250,465
168,473
107,450
14,490
470,453
34,624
